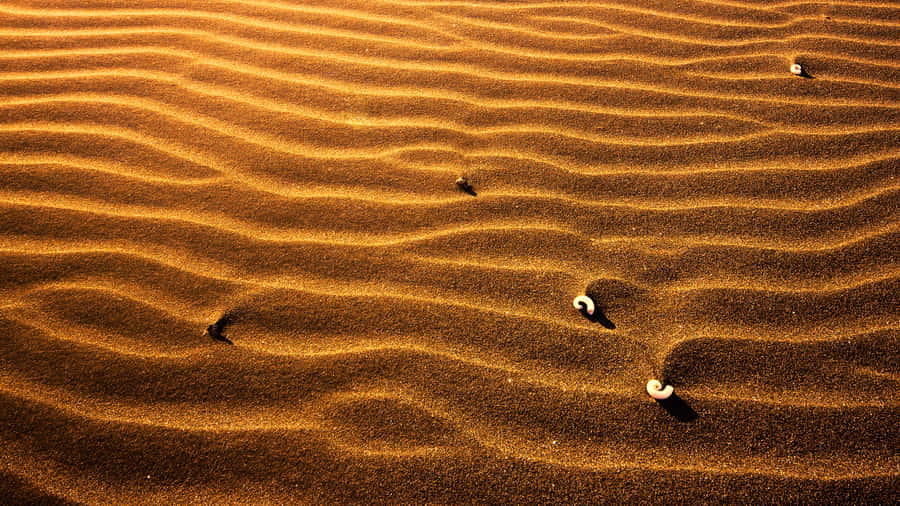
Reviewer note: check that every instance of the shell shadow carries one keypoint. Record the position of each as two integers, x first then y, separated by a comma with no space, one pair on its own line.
216,330
463,184
679,409
805,73
599,317
468,189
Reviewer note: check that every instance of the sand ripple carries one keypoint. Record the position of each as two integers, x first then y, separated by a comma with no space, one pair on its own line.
291,165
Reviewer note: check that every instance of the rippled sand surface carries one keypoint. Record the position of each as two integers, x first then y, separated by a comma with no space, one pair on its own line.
291,165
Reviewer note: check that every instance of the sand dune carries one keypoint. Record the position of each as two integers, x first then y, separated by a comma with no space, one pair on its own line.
290,166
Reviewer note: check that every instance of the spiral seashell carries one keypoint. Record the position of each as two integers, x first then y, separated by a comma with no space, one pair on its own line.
584,302
656,390
796,69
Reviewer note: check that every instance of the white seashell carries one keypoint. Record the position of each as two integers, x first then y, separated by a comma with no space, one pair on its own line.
656,390
796,69
584,302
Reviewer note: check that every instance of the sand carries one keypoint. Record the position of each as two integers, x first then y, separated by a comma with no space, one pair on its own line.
290,166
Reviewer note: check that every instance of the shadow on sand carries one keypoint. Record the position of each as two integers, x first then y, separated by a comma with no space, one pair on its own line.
599,317
678,408
216,330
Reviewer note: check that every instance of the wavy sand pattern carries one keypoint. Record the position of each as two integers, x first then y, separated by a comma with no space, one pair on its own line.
291,164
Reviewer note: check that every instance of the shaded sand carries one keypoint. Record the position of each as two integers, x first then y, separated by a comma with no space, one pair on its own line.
291,165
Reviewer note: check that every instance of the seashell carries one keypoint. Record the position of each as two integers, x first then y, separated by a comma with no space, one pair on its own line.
464,185
796,69
584,302
656,390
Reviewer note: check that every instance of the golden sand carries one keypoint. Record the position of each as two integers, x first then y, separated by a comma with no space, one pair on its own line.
291,166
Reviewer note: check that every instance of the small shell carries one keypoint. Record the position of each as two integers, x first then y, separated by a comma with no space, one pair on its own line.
584,302
796,69
656,390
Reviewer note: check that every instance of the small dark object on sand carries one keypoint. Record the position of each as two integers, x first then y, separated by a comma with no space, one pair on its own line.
464,185
215,330
678,408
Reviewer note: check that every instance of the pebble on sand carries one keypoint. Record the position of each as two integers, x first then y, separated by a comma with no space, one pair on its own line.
797,69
